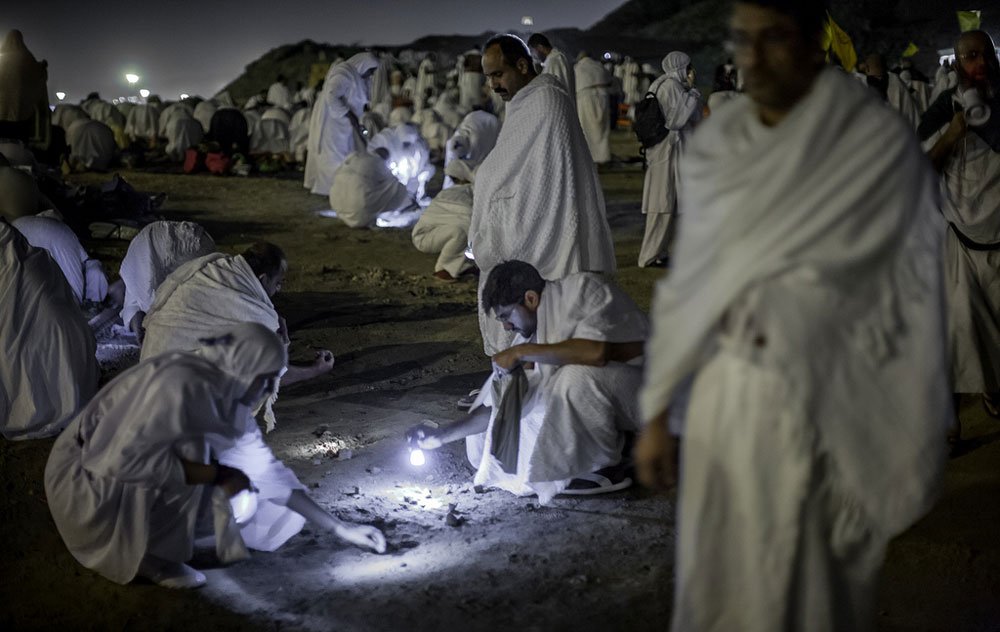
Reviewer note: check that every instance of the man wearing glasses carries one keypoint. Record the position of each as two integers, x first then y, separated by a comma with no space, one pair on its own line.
962,129
803,321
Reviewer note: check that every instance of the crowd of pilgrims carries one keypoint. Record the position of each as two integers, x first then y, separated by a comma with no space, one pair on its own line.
830,293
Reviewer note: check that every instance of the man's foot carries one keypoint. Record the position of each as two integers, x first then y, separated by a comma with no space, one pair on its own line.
466,402
170,574
603,481
444,276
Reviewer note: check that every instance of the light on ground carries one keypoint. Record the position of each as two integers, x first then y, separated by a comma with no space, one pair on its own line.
60,95
144,93
417,457
132,78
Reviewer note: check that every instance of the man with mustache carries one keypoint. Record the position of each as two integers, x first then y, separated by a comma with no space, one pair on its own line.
537,198
965,149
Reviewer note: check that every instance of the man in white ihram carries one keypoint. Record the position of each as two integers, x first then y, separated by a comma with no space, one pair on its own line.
334,122
553,415
536,198
804,318
554,62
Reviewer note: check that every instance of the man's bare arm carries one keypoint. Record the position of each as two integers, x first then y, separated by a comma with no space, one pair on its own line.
942,149
577,351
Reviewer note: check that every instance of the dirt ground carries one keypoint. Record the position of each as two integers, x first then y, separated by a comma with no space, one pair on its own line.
407,348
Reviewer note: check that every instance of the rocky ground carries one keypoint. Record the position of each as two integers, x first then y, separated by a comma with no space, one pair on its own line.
407,348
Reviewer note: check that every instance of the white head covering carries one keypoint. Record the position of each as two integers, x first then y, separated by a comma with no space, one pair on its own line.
675,65
363,62
459,169
244,352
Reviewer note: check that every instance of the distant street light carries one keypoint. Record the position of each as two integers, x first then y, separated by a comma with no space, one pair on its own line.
60,95
184,95
132,78
144,93
527,21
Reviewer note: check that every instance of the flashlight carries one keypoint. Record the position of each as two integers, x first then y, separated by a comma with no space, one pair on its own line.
244,506
417,457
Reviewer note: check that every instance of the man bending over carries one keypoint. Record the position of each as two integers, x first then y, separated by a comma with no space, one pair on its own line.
553,415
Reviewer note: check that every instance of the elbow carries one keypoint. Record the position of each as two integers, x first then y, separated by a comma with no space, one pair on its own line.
599,356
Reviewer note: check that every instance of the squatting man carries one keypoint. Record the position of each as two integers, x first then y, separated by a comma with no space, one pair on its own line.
553,416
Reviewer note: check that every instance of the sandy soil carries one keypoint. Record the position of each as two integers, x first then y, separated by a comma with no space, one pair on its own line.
407,348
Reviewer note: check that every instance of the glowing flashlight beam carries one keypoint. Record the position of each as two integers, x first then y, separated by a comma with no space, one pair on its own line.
417,458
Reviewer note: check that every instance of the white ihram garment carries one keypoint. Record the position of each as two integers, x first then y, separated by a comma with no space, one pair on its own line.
537,197
85,275
470,89
573,417
183,133
444,228
971,204
203,114
902,101
158,249
279,95
47,365
331,134
593,107
92,144
472,141
298,130
806,301
142,122
114,480
557,65
270,137
364,188
200,298
425,80
681,106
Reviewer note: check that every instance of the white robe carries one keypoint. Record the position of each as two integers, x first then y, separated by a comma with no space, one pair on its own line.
537,197
971,190
92,144
169,114
203,114
114,480
902,101
48,368
271,137
443,229
66,114
472,141
573,417
556,64
811,237
158,249
364,188
425,81
85,275
279,95
201,297
470,89
331,134
142,122
183,133
298,131
409,156
593,107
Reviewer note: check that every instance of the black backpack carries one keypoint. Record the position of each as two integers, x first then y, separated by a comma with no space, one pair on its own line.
650,125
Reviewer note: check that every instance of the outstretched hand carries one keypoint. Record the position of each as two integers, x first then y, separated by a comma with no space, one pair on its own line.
324,362
362,535
231,480
425,437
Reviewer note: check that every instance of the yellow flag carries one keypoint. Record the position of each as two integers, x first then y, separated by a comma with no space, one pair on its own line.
911,50
840,44
968,21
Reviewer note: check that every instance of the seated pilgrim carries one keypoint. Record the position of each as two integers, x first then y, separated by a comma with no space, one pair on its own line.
92,146
364,189
443,228
159,249
553,416
409,156
216,291
48,368
85,276
125,482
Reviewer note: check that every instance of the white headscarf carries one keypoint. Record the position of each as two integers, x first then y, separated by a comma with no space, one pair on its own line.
675,65
244,352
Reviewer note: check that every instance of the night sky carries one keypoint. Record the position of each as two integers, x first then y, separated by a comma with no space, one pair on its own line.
197,47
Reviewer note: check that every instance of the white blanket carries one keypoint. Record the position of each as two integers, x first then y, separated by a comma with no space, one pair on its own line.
158,249
537,196
48,369
854,224
201,297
